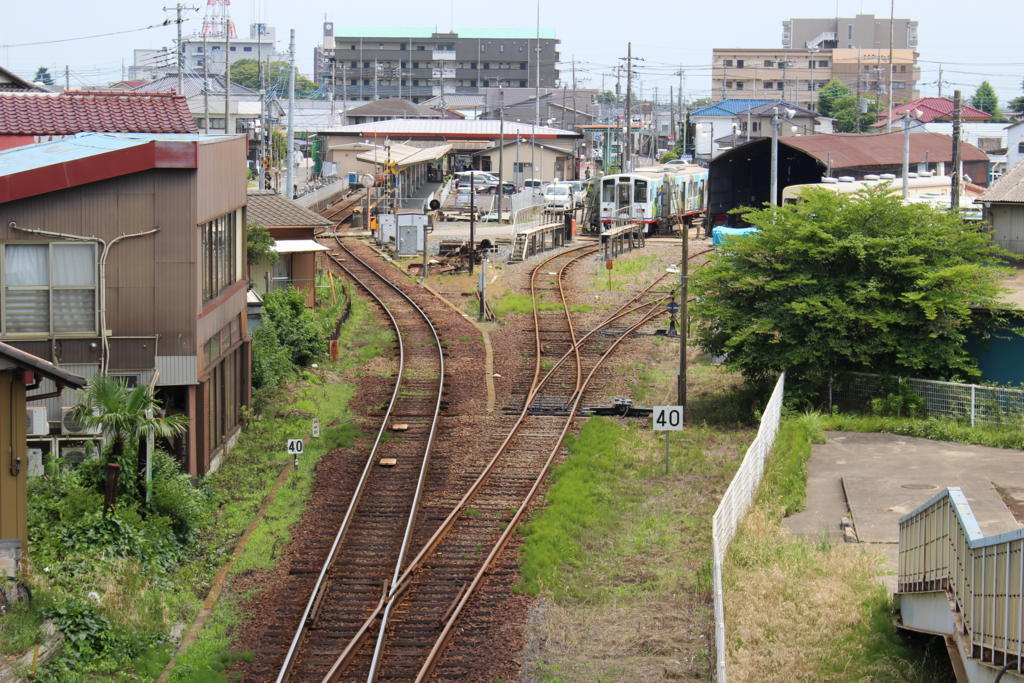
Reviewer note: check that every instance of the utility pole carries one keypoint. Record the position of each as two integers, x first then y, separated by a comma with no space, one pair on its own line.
178,8
574,93
501,147
776,120
227,74
907,117
376,74
684,276
472,221
892,22
940,80
344,94
289,156
206,85
536,103
627,162
67,78
672,113
954,177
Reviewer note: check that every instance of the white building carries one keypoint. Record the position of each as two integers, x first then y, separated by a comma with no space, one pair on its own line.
199,53
1014,144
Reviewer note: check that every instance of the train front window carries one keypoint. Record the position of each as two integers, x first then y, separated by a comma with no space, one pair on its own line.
623,193
640,192
608,191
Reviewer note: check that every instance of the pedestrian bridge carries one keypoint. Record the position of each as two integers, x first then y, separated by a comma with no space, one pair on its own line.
969,588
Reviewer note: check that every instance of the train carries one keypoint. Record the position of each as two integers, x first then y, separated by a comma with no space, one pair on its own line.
656,196
923,188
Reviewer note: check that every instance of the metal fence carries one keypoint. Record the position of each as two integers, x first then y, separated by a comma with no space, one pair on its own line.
974,403
942,549
734,506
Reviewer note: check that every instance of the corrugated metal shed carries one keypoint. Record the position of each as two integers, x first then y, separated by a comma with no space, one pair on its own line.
1008,190
852,150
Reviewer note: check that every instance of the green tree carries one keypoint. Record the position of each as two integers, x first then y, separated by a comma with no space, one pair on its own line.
827,96
606,97
43,76
847,113
259,244
842,283
985,99
245,72
123,414
698,103
1016,105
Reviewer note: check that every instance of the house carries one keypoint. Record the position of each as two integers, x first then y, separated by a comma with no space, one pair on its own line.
10,82
390,108
1014,144
125,254
19,373
742,176
1004,209
293,228
725,124
30,118
932,109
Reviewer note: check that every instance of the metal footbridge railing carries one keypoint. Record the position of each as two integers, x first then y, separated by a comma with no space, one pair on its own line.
956,582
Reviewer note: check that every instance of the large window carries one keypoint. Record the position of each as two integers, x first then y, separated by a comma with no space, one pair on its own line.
49,289
220,254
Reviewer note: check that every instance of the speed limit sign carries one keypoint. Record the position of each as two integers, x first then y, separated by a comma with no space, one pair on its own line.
667,418
295,446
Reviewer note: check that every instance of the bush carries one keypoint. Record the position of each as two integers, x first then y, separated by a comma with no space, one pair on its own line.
295,325
189,508
670,155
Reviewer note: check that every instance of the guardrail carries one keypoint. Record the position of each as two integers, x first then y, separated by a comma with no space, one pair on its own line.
942,549
734,506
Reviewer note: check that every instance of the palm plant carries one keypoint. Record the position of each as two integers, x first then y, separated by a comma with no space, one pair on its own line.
125,415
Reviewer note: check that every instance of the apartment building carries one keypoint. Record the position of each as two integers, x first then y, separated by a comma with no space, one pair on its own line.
796,75
208,53
417,64
863,31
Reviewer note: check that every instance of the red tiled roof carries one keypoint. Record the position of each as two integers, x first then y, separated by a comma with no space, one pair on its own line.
935,109
94,112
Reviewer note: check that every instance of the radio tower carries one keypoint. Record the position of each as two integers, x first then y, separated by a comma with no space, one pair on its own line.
217,20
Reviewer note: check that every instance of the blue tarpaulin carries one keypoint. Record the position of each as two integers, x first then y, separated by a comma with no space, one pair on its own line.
719,234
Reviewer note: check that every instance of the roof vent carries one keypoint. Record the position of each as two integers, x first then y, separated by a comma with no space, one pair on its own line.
887,176
846,178
911,175
926,174
871,176
828,180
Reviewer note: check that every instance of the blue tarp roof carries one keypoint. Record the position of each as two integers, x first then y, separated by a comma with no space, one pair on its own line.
83,146
729,107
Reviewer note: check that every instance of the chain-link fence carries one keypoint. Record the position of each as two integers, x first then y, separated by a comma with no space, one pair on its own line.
734,505
973,403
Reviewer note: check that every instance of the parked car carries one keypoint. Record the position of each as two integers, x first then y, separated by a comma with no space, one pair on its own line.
533,184
509,188
579,191
559,196
483,181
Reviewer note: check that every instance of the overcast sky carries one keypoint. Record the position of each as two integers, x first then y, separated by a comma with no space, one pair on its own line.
975,41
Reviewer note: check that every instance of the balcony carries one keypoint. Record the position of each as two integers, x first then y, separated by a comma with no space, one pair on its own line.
444,73
444,55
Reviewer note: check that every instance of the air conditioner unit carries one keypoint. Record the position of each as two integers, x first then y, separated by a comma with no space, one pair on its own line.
69,425
74,454
36,423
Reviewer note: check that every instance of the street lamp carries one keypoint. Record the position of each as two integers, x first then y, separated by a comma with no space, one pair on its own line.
777,118
908,116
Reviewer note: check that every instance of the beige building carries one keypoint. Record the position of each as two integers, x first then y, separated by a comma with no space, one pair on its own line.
862,31
519,160
796,75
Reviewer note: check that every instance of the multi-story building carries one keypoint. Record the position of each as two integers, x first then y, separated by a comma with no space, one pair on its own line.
854,51
863,31
206,53
369,64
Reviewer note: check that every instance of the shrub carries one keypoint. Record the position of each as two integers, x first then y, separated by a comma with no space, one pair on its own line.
187,507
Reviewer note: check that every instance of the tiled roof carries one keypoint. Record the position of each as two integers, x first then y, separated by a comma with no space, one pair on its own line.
273,210
1008,189
12,82
393,106
934,109
94,112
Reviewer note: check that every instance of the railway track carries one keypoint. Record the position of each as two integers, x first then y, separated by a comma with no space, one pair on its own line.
372,542
414,622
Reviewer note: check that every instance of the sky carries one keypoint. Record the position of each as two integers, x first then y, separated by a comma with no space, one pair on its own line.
974,42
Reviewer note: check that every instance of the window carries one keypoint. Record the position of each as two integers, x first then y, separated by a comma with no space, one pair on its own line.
728,84
233,48
640,192
755,126
366,65
849,32
522,66
903,68
779,85
726,62
501,48
769,62
739,63
220,254
217,123
487,66
419,47
415,65
50,288
739,85
608,190
354,65
199,50
823,63
522,84
247,49
898,85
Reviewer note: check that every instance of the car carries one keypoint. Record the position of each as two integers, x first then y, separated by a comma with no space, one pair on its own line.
533,184
559,196
508,188
484,181
579,191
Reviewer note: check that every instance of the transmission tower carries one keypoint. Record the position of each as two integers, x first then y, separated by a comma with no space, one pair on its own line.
217,20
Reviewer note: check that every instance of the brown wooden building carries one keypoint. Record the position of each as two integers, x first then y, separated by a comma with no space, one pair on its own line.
125,254
19,372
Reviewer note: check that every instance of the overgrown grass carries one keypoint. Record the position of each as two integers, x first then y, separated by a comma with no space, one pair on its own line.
211,654
626,271
511,302
829,618
19,626
996,436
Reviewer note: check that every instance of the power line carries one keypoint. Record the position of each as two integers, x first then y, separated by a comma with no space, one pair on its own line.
166,22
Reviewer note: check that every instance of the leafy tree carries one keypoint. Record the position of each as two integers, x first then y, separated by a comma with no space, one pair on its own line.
259,244
123,415
842,283
827,96
985,99
698,103
43,76
670,155
1016,105
275,75
847,113
606,97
